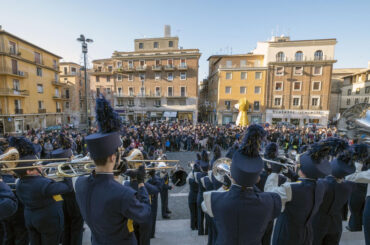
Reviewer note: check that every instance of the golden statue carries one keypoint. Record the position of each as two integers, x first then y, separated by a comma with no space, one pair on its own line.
242,119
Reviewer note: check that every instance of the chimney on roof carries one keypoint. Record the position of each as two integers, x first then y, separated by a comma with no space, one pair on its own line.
167,31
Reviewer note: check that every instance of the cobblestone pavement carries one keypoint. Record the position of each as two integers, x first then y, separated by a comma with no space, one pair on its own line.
177,229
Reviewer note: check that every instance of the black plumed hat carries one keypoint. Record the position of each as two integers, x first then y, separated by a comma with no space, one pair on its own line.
107,140
315,162
246,162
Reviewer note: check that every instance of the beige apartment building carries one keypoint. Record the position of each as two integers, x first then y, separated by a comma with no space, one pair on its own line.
31,95
73,76
232,77
299,79
337,82
156,81
356,89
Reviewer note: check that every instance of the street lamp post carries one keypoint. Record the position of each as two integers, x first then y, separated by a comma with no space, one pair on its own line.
84,42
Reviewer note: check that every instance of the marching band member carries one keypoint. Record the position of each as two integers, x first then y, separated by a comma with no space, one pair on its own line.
204,166
165,179
210,183
241,215
216,154
155,184
73,222
364,177
300,200
108,207
15,231
271,153
327,224
193,193
144,231
41,198
8,202
230,152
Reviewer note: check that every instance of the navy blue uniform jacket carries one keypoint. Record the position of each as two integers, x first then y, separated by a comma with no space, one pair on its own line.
8,201
110,208
241,216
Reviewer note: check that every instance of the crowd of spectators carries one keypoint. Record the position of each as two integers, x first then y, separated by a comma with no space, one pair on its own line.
171,137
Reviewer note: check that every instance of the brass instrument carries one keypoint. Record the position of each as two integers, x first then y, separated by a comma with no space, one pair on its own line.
84,165
221,167
9,158
285,165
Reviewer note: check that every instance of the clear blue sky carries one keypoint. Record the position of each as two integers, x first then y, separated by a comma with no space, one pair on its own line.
213,26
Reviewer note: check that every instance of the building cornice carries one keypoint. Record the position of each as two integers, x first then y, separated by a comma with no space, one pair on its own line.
234,55
307,62
300,43
156,38
31,44
243,69
358,73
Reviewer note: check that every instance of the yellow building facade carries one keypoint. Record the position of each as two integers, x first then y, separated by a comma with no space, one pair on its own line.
30,91
232,77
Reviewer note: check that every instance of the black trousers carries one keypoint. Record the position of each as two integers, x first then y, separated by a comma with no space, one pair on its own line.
266,239
356,206
164,201
73,221
44,230
142,233
15,232
193,215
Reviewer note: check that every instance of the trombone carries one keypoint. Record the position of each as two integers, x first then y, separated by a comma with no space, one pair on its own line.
290,164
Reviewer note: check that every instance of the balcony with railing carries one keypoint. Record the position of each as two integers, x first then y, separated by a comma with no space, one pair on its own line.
70,73
14,52
102,71
59,110
175,96
122,95
323,58
141,68
149,95
129,68
13,72
157,68
60,97
13,92
42,110
18,111
246,66
182,67
57,83
169,67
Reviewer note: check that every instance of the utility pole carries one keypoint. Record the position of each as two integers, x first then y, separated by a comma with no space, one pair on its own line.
84,42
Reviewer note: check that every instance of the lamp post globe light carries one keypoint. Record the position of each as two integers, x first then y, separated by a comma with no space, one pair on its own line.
84,41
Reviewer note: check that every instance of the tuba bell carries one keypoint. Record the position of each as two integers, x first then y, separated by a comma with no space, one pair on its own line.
11,154
221,167
134,154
